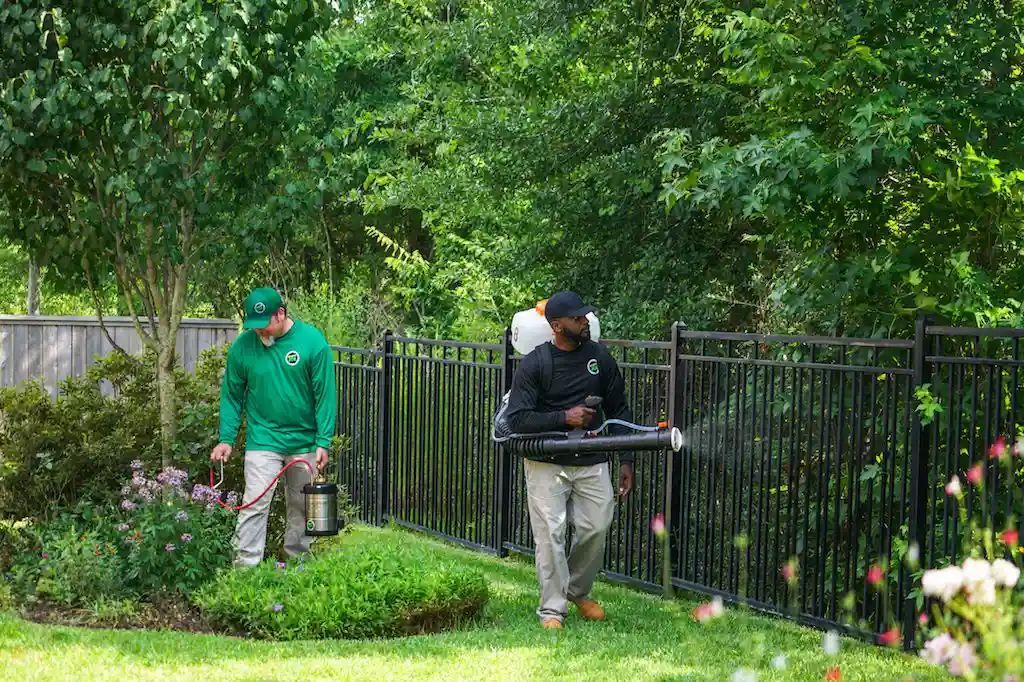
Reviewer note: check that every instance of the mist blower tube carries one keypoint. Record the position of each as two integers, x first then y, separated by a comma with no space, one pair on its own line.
667,439
321,500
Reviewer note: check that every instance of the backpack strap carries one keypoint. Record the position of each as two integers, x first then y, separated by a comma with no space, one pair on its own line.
547,367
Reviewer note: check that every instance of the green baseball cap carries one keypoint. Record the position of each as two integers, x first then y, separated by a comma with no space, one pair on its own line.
260,306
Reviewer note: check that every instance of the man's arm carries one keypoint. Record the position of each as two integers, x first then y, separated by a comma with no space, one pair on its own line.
523,415
325,392
232,395
615,404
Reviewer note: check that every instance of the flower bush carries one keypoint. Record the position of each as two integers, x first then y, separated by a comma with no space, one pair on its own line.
164,538
172,535
977,625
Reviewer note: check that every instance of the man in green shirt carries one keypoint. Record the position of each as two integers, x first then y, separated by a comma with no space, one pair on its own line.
281,372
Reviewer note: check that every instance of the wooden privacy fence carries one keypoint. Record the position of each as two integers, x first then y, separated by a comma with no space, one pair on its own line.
55,348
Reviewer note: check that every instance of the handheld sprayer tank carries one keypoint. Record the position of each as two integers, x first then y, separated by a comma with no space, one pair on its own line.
321,497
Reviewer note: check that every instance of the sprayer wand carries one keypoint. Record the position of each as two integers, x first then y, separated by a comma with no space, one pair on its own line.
309,466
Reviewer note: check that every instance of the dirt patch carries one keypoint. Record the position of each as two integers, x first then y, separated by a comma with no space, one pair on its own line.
176,616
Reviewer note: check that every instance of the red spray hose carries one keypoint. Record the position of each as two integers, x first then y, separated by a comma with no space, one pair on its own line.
265,490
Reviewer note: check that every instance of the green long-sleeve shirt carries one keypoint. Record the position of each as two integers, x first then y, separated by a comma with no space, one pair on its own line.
287,390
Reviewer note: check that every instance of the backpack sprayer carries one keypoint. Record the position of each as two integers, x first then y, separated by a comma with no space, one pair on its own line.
529,330
321,500
577,442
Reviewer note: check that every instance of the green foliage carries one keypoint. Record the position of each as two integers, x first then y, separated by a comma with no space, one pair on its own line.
55,453
874,188
78,566
370,590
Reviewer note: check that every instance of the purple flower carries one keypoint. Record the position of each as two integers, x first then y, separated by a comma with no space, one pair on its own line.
181,516
280,565
187,537
169,547
232,500
136,464
278,608
127,504
126,490
123,527
46,555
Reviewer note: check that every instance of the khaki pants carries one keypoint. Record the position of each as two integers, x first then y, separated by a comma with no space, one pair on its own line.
251,533
582,496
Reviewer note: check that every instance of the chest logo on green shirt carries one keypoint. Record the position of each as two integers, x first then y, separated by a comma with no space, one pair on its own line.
592,366
292,358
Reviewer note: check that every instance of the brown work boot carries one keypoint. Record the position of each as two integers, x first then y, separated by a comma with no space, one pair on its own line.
589,609
552,624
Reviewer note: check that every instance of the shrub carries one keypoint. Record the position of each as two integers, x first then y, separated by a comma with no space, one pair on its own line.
369,590
55,453
172,537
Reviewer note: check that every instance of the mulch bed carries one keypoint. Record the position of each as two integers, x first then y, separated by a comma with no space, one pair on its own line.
175,616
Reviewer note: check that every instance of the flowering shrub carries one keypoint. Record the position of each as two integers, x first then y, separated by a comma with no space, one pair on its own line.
978,616
172,536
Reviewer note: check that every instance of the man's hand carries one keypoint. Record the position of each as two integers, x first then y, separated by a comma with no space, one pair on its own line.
220,453
321,459
579,416
625,479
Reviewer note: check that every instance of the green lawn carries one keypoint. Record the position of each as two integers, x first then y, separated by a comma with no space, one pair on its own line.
644,639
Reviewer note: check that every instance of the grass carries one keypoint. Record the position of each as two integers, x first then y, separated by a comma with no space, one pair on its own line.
645,638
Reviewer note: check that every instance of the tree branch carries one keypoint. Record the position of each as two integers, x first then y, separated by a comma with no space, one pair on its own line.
99,313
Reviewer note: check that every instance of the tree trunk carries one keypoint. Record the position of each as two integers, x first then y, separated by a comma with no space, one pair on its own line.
168,400
33,286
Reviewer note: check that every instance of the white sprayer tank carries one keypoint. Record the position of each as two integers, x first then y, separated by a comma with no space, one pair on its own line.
530,328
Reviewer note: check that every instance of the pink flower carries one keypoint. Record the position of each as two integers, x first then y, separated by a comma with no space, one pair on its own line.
890,638
789,571
658,525
875,575
975,474
187,537
169,547
277,608
963,659
1010,536
998,449
953,487
834,674
923,619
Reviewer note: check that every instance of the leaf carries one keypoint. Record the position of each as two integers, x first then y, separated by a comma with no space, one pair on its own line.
36,165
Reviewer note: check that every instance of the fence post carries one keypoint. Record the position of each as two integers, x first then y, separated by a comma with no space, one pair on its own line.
384,427
675,384
919,447
502,524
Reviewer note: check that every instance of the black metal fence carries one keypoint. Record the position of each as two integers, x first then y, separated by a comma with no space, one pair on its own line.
815,450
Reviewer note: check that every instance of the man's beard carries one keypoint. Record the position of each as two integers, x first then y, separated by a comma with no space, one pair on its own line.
579,339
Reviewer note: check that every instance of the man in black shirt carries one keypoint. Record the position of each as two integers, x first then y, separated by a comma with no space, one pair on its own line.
569,488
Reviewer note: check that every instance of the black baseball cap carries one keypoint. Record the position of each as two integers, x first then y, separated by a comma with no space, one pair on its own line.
566,304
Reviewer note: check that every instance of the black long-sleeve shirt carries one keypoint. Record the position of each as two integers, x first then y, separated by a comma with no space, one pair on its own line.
588,370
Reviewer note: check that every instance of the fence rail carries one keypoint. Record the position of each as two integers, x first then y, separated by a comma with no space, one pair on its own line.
803,447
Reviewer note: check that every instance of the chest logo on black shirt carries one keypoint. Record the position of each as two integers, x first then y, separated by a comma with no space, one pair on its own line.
592,366
292,358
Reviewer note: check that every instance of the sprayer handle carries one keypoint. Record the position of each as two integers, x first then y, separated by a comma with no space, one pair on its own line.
593,401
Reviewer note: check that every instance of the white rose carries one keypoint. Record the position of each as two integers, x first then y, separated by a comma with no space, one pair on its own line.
943,583
976,571
983,593
1005,573
717,607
